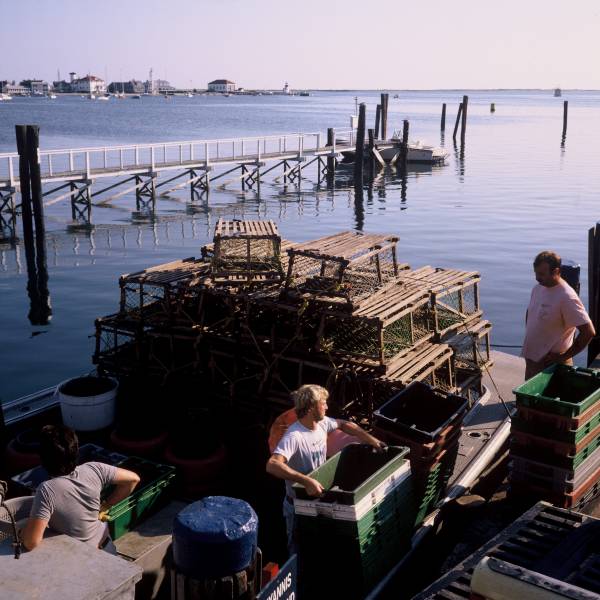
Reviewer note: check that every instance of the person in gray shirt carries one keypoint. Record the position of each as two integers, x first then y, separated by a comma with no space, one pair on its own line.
70,501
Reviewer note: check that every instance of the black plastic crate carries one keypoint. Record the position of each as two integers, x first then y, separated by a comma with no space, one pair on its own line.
420,412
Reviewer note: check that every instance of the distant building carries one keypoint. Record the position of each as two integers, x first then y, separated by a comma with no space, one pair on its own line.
286,88
132,86
90,84
10,87
62,87
39,87
221,85
162,86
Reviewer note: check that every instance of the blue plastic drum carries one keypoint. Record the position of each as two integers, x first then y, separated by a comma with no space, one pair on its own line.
214,537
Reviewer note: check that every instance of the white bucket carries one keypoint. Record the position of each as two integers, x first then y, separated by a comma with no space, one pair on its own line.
88,403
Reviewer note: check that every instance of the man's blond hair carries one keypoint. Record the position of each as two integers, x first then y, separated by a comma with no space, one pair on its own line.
307,396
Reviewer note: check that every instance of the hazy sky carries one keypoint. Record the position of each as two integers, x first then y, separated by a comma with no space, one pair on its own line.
413,44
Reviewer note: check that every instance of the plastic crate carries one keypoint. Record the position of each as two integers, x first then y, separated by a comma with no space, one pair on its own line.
354,472
556,424
397,483
556,480
28,481
421,412
521,446
151,493
543,429
558,447
561,389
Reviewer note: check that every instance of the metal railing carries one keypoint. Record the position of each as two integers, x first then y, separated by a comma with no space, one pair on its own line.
110,160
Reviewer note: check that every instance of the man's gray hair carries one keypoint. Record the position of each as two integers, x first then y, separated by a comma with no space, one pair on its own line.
307,396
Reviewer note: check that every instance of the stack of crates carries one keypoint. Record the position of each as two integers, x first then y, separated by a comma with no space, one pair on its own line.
351,536
428,421
555,447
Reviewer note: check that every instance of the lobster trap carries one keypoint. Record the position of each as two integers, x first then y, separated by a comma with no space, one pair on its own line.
156,294
471,345
120,345
246,252
469,384
382,330
349,266
454,295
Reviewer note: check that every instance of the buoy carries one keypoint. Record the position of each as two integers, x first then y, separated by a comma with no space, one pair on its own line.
492,107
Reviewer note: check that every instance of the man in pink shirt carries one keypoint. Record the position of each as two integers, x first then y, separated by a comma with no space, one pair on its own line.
554,313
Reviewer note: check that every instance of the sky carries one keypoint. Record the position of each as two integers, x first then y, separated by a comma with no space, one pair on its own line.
312,44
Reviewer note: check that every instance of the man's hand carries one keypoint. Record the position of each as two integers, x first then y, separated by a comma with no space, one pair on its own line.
313,487
378,445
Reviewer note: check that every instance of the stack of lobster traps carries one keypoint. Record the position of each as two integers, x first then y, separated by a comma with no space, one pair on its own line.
257,316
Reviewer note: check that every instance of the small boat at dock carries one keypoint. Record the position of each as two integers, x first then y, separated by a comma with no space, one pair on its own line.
4,97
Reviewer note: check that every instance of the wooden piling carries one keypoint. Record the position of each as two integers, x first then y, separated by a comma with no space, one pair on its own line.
594,290
458,116
565,115
26,214
330,144
371,133
463,127
377,120
33,144
360,144
384,114
443,122
405,126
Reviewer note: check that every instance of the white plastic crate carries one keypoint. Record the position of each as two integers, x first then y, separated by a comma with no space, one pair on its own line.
354,512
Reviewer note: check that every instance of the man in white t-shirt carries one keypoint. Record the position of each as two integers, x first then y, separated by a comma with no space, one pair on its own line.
554,313
303,447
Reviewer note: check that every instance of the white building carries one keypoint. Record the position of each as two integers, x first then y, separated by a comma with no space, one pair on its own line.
221,85
88,85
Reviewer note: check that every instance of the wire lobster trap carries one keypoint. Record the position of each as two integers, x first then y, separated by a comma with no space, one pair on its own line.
471,346
120,345
172,350
454,295
430,363
382,330
349,266
469,384
154,295
246,252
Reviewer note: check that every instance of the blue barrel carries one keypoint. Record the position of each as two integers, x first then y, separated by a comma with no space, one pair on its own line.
214,537
570,272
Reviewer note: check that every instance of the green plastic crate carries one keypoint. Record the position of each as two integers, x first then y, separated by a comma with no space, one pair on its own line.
352,473
571,435
561,389
570,461
151,493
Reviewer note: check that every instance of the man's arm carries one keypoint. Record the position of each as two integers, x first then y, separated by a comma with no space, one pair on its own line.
353,429
124,482
278,467
33,532
585,334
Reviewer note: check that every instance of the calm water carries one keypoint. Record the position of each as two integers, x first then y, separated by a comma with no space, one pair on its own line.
515,191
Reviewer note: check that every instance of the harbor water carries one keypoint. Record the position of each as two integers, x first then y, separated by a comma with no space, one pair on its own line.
517,188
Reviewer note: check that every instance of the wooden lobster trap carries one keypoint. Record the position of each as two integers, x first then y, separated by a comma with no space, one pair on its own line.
454,295
382,330
349,266
172,350
156,294
246,252
120,345
469,384
471,346
429,363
